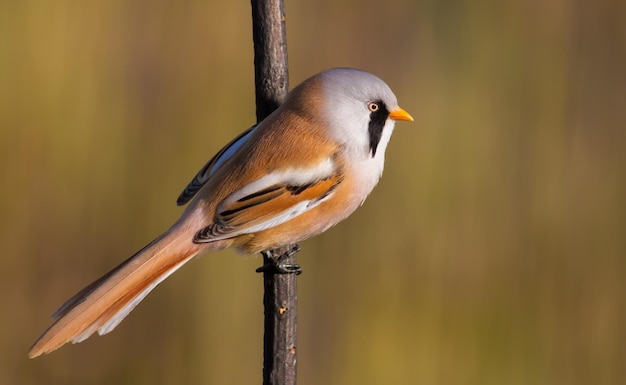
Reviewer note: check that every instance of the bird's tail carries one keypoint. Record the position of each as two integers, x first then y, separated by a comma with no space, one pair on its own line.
103,304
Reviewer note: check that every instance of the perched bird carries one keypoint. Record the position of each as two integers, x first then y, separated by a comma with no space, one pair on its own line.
303,169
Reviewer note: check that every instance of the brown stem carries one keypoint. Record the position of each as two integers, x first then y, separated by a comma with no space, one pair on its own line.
280,296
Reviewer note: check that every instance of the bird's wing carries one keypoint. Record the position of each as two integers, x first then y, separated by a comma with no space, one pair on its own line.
212,165
271,200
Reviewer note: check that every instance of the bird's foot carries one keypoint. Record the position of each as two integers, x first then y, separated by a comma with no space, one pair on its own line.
275,262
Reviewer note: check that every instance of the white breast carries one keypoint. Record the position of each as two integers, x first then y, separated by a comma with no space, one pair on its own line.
366,169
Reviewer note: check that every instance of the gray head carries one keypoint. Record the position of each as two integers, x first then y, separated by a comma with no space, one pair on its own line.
358,107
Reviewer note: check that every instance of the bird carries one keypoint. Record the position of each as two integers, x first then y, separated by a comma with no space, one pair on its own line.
304,168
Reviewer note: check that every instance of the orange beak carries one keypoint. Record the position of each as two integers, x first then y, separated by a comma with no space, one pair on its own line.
400,114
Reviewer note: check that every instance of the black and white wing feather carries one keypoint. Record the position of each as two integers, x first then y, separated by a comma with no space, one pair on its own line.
209,169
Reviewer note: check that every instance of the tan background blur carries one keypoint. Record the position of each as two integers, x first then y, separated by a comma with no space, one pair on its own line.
492,252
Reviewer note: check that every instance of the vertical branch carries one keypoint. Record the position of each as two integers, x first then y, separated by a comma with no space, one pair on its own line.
271,76
280,300
280,295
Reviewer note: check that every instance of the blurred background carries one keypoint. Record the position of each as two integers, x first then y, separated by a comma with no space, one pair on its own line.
492,252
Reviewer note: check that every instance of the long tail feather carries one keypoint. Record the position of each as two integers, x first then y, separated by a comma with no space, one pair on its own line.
102,305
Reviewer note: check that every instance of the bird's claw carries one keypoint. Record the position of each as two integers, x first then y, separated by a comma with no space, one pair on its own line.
275,263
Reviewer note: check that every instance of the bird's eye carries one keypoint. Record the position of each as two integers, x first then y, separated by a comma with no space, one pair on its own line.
373,106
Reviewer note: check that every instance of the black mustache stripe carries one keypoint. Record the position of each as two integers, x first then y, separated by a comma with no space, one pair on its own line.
375,128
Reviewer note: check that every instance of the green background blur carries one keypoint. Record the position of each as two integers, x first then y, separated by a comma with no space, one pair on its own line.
492,252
